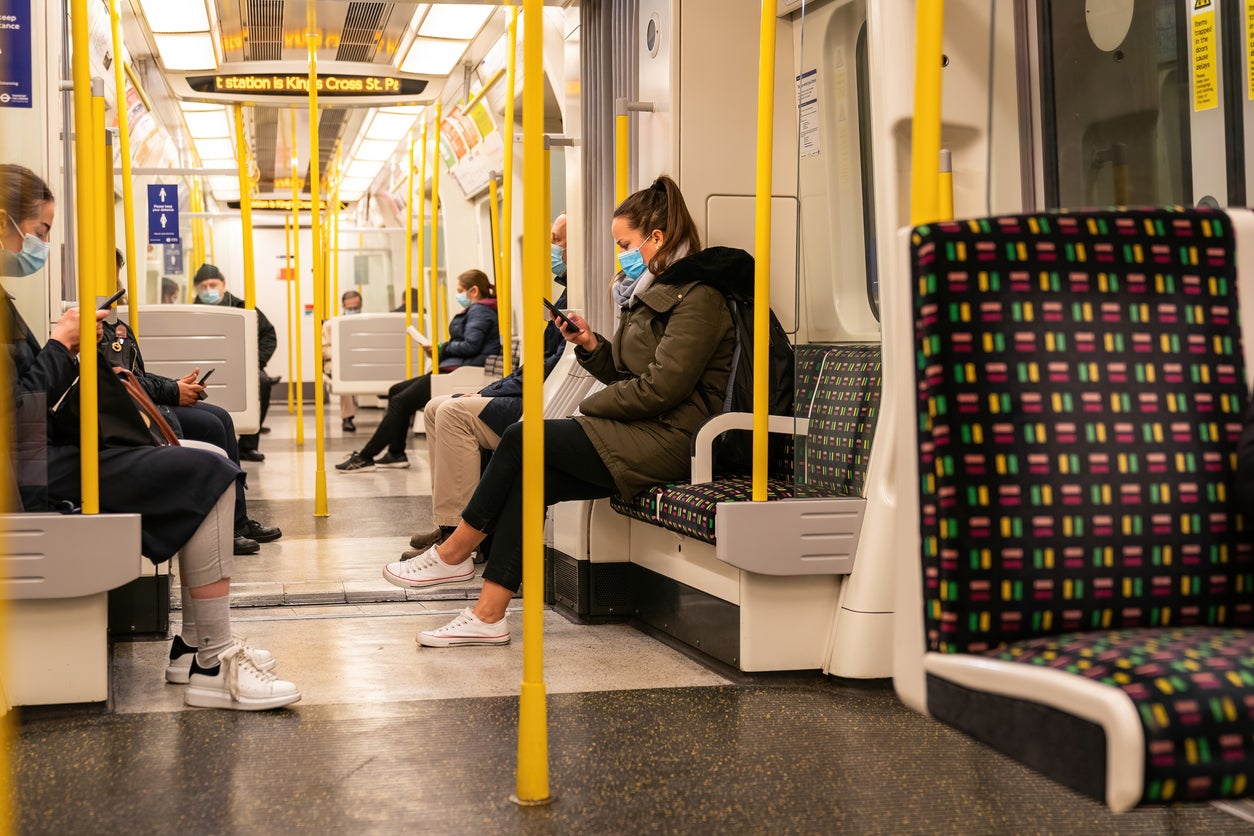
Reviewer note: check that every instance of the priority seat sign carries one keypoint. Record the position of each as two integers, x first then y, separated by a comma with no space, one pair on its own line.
163,214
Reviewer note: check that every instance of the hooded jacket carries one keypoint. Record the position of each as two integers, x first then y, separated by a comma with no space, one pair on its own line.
665,370
474,336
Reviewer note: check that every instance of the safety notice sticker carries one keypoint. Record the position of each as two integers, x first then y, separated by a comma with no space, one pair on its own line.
1205,74
15,53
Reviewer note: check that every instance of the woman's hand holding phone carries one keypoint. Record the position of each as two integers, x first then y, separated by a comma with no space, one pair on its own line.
190,390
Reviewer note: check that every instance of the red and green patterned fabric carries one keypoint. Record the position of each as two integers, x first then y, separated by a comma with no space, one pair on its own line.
1080,395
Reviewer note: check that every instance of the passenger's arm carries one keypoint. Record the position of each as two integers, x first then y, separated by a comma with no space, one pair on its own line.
599,362
694,331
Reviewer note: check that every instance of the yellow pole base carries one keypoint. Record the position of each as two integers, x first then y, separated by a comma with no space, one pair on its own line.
532,788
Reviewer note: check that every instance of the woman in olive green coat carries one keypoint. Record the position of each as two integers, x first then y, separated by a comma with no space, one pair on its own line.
665,371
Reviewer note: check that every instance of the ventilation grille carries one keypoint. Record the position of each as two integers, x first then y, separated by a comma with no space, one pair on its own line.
263,30
265,134
330,126
363,29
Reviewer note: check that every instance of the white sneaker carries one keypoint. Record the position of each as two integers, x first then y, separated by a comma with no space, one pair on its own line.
427,570
466,629
181,655
238,684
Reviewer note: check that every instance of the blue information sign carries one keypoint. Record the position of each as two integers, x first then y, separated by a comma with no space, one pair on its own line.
163,214
15,53
172,256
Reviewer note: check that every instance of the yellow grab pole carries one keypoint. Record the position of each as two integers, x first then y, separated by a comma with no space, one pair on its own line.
533,742
245,209
482,91
505,284
335,235
319,280
437,287
945,187
494,223
762,247
198,229
85,187
409,258
421,312
109,270
128,188
929,37
300,313
622,136
287,264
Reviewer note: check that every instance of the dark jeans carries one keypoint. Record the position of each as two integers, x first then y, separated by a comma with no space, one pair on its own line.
404,401
206,422
250,441
572,470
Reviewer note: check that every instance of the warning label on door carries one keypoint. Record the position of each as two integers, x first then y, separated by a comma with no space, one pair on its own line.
1205,73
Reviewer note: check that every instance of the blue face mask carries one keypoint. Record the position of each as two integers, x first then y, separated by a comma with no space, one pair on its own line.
351,311
210,296
559,264
633,262
463,300
30,259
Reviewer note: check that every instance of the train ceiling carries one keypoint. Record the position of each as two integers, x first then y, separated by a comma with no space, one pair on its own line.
195,44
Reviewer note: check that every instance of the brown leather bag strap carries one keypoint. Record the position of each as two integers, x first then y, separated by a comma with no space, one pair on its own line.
145,405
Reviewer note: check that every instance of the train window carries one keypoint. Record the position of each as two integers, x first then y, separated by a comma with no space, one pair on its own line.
1115,105
868,173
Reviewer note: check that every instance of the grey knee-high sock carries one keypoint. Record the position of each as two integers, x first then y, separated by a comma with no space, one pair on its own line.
188,632
213,628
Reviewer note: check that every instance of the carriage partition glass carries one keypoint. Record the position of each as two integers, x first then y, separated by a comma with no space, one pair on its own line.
1117,107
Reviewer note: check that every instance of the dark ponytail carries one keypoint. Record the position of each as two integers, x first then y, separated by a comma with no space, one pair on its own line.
661,206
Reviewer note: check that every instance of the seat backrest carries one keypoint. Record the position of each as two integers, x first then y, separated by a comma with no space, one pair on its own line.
1080,394
839,392
175,339
369,353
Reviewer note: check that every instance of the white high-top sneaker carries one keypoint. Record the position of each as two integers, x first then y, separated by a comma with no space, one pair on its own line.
238,684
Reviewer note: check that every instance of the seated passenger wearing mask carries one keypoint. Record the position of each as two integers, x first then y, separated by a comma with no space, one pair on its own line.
169,292
350,305
211,289
460,427
189,416
474,336
664,370
183,495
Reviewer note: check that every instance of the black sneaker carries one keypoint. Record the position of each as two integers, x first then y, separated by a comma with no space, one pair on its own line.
348,426
388,460
355,463
261,533
252,456
245,546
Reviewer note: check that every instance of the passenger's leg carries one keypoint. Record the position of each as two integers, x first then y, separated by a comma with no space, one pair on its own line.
248,443
455,455
348,407
404,399
203,423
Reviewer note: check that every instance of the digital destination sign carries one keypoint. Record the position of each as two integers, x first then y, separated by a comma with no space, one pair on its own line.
297,84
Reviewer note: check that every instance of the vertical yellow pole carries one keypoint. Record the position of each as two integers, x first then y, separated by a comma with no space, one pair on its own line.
622,157
300,313
494,221
945,187
929,38
245,208
505,285
335,235
421,312
198,225
533,742
128,188
409,258
85,188
287,264
213,258
762,247
109,270
437,287
319,268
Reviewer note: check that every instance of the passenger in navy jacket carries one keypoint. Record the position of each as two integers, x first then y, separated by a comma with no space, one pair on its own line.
474,336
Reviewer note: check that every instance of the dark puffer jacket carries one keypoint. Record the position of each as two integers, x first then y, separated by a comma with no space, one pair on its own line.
474,336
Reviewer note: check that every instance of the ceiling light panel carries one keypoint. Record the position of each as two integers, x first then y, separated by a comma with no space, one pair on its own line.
176,15
361,170
376,150
208,124
224,184
351,184
185,53
389,126
212,149
455,21
430,56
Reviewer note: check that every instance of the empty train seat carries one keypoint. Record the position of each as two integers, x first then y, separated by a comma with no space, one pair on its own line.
57,591
368,353
178,338
1074,575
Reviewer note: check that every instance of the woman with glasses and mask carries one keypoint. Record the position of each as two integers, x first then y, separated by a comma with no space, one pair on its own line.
185,496
664,370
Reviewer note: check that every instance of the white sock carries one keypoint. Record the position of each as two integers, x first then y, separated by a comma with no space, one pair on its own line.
213,628
188,631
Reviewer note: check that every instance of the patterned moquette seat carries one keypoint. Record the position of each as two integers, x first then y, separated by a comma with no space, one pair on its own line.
839,391
1080,392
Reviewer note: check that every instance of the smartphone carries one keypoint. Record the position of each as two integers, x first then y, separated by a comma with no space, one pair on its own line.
557,314
108,303
202,394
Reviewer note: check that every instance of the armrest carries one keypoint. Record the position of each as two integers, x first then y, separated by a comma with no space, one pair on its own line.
702,453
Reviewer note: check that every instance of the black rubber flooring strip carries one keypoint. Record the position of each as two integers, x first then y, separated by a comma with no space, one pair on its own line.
784,759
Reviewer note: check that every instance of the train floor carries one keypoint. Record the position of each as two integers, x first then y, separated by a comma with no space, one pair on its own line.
393,738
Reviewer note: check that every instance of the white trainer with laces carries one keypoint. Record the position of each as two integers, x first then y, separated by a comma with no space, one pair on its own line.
427,570
238,684
467,628
180,664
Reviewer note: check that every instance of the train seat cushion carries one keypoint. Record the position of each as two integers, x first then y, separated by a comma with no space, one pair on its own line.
1080,396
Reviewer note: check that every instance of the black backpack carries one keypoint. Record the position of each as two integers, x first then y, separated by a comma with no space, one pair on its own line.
730,271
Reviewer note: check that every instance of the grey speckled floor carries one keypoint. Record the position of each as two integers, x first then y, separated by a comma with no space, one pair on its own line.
816,758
